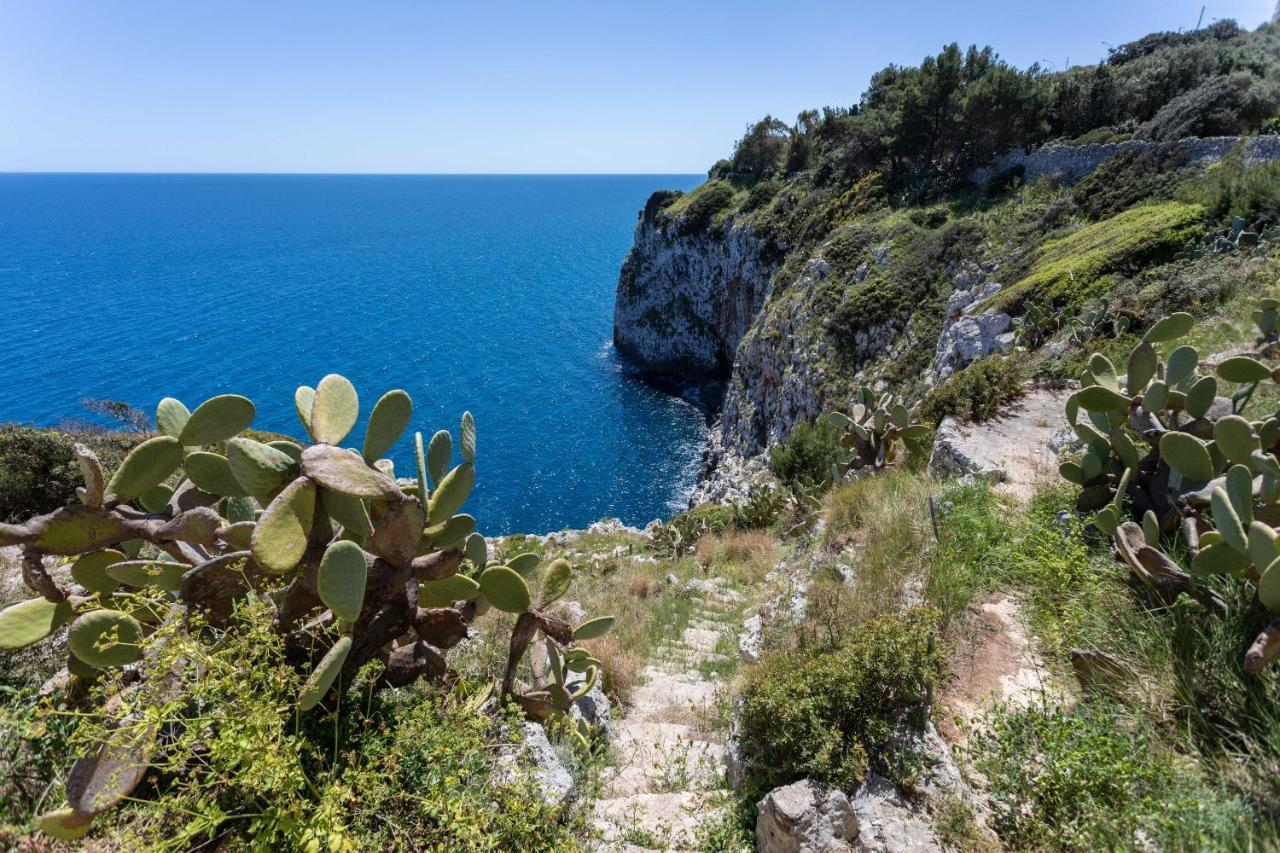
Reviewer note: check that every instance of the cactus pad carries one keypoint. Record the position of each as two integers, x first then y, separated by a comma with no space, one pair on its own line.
1187,455
477,550
387,423
451,534
105,638
216,420
467,436
303,399
280,537
334,410
31,621
524,564
1097,398
556,579
90,571
1200,396
1235,438
347,510
343,471
505,589
143,573
147,465
439,452
1170,328
1242,369
259,468
1143,363
171,417
64,824
325,673
341,579
444,592
212,473
593,628
450,494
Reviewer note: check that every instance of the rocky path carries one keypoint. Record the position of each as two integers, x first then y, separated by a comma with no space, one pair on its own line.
669,749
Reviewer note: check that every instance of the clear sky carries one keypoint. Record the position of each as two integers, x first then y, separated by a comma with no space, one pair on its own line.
467,86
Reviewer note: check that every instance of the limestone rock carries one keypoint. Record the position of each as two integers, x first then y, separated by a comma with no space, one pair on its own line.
546,768
886,824
804,818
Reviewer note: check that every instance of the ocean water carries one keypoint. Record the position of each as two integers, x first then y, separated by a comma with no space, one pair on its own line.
488,293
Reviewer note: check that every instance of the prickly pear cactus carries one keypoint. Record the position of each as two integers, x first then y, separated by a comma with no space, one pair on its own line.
877,432
1172,450
361,567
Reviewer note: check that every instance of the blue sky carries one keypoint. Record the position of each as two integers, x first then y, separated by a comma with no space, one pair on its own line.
549,86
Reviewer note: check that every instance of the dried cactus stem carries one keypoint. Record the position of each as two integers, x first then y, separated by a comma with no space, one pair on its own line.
36,577
1265,648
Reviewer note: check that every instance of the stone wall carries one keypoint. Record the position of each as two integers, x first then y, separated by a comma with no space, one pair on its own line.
1073,162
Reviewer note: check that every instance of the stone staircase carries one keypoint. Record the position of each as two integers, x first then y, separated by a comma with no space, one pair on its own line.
669,752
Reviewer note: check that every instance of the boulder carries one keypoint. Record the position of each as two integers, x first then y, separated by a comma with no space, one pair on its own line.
886,823
538,758
803,817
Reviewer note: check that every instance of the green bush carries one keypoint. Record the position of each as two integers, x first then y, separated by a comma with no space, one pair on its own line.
239,769
1229,105
1093,779
38,468
822,713
1234,188
805,456
1128,178
976,393
699,208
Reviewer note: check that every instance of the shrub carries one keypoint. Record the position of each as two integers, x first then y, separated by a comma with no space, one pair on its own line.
38,469
700,207
824,713
1092,779
1230,105
1074,269
1128,178
976,393
1235,188
806,455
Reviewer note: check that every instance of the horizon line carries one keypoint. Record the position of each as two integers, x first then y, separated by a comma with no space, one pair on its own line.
343,174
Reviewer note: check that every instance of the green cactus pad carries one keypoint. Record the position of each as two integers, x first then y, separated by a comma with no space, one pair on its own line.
467,436
387,422
450,494
31,621
212,473
143,573
1151,529
239,535
505,589
1103,371
477,550
147,465
1072,473
64,824
1239,488
1242,369
524,564
344,471
1126,451
1091,465
1187,455
1181,366
1200,397
341,579
444,592
1262,544
1097,398
156,498
303,399
593,628
1269,586
257,467
1227,521
1170,328
323,676
1143,363
289,448
105,638
1235,438
1219,558
900,416
1156,397
280,537
1107,519
216,420
334,410
420,457
451,534
556,579
347,510
171,417
90,571
439,452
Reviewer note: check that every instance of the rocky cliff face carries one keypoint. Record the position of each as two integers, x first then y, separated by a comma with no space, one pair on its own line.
685,301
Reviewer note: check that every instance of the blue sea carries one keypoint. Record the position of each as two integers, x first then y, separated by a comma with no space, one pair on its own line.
487,293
